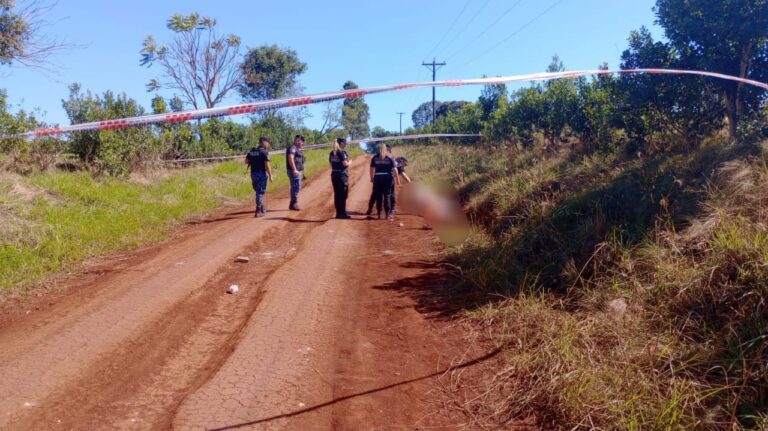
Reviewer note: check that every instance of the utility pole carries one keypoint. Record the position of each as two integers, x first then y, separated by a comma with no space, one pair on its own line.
434,66
401,121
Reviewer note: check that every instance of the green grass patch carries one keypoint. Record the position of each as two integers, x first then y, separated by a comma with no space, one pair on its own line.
65,217
625,293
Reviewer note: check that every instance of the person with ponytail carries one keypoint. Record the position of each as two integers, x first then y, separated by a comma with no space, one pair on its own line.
383,176
339,160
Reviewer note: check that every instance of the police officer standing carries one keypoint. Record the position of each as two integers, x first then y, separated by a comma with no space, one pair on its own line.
383,174
339,160
257,160
294,161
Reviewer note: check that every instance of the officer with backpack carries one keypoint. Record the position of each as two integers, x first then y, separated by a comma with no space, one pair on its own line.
294,161
339,160
257,160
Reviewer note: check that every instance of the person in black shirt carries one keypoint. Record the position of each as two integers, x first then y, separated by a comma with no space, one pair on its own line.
294,164
401,162
383,174
339,160
257,160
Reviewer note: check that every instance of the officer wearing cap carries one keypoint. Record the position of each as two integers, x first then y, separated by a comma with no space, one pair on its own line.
257,160
294,161
339,160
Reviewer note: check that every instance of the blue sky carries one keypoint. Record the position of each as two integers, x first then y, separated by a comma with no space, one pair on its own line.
369,42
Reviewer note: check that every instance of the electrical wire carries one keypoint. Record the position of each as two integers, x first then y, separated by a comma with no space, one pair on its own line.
455,20
471,20
484,31
514,33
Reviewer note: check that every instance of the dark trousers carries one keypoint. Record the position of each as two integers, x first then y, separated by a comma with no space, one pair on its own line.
372,199
340,191
382,191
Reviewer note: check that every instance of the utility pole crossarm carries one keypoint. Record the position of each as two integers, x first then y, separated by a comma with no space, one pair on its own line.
433,66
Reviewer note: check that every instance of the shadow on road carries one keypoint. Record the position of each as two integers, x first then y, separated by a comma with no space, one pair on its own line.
465,364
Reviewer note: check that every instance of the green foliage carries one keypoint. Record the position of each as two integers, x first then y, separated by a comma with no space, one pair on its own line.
270,72
719,36
114,152
355,115
71,216
25,155
15,33
665,109
380,132
635,289
422,116
492,98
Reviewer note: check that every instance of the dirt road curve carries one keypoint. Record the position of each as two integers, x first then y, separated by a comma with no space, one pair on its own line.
322,334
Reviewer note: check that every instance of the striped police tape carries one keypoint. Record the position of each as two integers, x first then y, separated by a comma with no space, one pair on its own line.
249,108
328,144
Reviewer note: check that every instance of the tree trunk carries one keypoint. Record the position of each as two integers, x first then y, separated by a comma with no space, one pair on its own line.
731,94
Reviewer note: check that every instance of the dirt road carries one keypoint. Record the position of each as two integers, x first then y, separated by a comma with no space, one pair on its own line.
322,334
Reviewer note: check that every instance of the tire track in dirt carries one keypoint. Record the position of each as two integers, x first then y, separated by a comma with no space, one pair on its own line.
324,333
147,328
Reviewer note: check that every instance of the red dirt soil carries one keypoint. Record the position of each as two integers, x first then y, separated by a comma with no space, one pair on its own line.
325,332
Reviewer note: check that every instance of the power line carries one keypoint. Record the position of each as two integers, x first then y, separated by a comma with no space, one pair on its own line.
485,31
514,33
471,20
455,20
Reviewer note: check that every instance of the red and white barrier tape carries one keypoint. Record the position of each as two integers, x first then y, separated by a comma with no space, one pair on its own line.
249,108
328,144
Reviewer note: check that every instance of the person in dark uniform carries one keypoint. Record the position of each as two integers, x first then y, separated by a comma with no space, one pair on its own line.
257,160
339,160
383,174
294,164
402,162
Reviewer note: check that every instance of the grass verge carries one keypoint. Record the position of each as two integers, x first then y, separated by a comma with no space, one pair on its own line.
52,220
625,293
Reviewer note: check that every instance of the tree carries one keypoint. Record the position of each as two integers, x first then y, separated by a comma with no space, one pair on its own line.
331,119
26,154
114,151
452,107
664,106
158,105
597,119
21,38
198,62
354,114
492,97
270,72
719,36
176,104
560,103
422,116
380,132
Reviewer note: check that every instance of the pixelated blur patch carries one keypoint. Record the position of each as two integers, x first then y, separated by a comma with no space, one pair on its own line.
439,206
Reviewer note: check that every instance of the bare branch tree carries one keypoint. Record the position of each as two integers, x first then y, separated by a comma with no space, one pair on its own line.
22,36
199,62
331,118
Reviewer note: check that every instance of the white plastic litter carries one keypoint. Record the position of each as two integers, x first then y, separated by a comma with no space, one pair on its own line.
233,289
